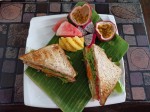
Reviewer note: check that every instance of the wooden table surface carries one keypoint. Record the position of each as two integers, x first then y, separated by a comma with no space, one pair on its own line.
14,24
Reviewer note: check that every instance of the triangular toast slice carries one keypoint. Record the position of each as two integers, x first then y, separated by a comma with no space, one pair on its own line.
52,61
107,71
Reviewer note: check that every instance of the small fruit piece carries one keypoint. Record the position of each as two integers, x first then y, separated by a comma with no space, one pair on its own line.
71,43
105,30
90,39
56,26
62,45
78,41
82,39
67,45
82,30
68,30
89,27
81,15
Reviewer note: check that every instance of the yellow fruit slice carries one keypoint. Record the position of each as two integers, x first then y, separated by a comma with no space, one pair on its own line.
82,39
73,44
68,46
62,45
78,41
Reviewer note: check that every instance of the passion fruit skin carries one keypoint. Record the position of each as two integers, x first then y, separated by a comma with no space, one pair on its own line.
99,35
79,8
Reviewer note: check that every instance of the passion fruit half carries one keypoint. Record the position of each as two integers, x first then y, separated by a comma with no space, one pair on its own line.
81,15
105,30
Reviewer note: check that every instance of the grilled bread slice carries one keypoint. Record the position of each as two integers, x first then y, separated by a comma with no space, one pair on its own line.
106,74
52,61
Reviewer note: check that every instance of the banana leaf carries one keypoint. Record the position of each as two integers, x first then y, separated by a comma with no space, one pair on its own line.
115,49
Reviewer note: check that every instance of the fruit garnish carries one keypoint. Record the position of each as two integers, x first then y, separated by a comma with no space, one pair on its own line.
71,43
65,45
82,30
66,29
89,27
81,15
105,30
56,26
89,39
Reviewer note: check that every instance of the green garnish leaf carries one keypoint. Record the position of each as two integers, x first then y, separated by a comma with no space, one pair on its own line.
90,59
119,87
117,63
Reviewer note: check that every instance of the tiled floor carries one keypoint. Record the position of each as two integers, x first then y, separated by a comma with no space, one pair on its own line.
14,24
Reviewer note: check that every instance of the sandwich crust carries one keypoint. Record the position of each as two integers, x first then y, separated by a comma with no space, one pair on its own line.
51,57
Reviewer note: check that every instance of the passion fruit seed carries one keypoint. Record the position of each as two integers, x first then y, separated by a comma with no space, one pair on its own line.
80,18
106,30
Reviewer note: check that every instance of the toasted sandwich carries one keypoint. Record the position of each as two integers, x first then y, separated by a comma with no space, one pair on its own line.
52,61
102,74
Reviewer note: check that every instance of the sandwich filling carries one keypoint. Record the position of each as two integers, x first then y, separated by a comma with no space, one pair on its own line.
91,72
102,73
51,72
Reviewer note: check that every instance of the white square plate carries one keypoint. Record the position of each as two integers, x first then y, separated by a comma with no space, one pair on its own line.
40,33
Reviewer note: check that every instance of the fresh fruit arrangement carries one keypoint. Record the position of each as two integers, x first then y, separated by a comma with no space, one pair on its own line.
79,25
